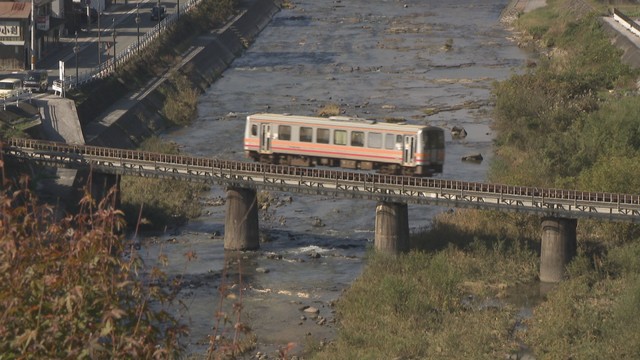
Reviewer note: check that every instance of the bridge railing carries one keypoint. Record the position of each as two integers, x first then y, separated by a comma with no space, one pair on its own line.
159,160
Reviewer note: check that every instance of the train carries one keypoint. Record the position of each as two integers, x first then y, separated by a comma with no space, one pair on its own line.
394,148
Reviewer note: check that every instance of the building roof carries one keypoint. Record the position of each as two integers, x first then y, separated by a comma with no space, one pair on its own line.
14,10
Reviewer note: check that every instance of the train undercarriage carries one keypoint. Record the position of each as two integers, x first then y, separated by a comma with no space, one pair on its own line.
310,161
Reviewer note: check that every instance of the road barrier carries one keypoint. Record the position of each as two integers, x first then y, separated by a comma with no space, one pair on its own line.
15,97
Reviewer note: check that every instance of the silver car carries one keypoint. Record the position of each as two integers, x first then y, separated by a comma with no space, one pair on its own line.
36,80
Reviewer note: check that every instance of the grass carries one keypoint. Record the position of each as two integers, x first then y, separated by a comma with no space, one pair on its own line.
594,314
427,305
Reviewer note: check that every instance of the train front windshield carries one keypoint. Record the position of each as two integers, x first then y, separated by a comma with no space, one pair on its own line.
434,139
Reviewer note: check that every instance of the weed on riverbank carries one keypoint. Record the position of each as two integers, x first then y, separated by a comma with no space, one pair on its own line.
593,314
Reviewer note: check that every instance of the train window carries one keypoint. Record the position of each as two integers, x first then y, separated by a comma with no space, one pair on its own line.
389,141
357,138
284,132
340,137
374,140
254,130
323,136
306,134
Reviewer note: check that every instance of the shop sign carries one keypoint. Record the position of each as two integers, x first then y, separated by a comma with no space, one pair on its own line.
42,23
10,29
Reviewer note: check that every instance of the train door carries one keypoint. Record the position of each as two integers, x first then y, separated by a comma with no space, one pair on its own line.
409,150
265,138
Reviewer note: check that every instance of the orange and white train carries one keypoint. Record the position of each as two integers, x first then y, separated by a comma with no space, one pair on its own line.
353,143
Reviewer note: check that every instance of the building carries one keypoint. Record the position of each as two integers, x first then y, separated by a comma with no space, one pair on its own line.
16,31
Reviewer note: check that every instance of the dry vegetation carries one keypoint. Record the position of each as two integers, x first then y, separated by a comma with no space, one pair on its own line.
71,288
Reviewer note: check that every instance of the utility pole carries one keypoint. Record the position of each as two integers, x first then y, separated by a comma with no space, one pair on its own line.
114,45
33,35
138,24
88,18
159,15
99,41
76,50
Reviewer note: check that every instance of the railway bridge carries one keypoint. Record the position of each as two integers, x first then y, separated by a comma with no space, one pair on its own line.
559,209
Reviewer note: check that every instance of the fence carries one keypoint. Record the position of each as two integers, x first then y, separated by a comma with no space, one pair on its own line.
15,97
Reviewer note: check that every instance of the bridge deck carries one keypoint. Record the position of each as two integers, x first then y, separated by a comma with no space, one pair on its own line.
353,184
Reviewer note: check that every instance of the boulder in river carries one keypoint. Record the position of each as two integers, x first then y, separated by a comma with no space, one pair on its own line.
473,158
458,132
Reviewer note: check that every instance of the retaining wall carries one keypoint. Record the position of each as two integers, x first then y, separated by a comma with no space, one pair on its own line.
630,51
215,52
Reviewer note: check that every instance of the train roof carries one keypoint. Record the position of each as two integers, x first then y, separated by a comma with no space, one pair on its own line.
337,120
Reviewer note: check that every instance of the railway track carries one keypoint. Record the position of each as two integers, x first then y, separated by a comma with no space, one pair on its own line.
331,181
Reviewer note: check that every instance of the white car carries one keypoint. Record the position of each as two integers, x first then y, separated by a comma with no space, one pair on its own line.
10,87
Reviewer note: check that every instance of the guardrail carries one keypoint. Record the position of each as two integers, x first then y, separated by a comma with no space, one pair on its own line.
16,96
108,67
626,22
351,184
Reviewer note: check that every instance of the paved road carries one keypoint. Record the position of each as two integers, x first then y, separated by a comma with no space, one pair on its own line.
89,56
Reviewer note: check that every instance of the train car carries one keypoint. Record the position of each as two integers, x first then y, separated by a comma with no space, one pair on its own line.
353,143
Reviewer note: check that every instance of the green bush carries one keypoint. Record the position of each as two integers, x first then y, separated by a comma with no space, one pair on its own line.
180,101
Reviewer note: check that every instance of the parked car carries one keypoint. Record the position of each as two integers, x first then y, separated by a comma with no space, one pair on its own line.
9,87
36,80
158,13
76,18
81,12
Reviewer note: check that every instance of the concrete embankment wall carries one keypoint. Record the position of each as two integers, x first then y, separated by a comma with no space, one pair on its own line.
630,51
213,54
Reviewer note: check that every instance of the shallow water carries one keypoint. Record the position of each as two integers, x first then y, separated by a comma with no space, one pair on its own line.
376,60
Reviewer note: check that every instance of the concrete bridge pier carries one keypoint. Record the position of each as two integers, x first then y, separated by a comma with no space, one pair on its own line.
392,227
558,247
241,220
101,184
98,184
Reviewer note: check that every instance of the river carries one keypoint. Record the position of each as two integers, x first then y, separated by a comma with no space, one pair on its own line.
430,62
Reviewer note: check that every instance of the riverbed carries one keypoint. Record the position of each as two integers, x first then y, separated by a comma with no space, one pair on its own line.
429,62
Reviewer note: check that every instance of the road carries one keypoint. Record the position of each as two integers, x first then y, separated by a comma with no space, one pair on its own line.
90,55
